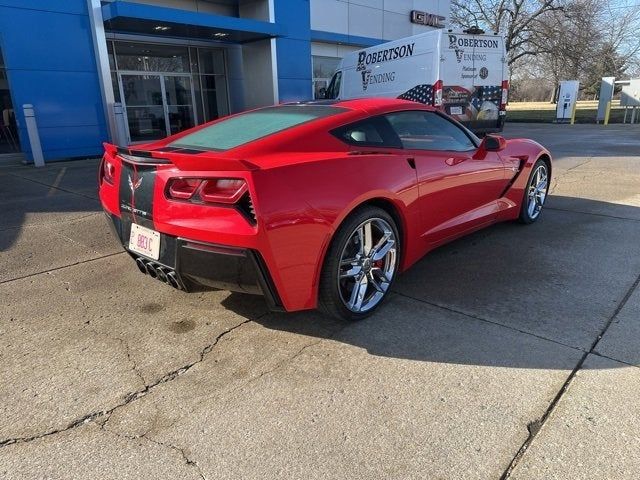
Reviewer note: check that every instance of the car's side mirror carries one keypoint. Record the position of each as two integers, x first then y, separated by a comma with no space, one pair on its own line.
494,143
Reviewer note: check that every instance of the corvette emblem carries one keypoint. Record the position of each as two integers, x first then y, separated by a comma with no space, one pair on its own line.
134,186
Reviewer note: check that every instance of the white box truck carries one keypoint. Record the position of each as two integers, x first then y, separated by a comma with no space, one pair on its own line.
464,74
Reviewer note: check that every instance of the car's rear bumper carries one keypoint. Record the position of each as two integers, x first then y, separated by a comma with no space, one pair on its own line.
188,265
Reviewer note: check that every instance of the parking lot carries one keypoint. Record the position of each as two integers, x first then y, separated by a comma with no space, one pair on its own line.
510,353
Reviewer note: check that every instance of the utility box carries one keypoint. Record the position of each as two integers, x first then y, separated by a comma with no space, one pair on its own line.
606,95
567,98
630,96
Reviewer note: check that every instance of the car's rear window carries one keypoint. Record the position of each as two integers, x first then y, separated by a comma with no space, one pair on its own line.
246,127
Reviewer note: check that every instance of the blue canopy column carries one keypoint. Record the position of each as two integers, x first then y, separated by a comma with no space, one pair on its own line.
293,50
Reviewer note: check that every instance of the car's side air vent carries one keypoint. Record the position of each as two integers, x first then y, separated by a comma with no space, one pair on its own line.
245,205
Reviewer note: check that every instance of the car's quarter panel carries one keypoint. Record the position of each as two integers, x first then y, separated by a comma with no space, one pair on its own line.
302,205
519,156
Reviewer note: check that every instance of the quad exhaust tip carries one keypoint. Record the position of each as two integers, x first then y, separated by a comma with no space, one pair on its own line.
159,272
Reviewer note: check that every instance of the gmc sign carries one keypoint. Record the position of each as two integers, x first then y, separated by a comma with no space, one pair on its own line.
429,19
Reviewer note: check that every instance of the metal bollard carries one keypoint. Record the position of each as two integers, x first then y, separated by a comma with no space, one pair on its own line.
32,132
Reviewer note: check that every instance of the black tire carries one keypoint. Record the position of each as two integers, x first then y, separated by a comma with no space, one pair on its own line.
526,216
330,298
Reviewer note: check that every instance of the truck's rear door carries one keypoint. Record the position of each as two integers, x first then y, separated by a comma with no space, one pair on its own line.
472,71
489,69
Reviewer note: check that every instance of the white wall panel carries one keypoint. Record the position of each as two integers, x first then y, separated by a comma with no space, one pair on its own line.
368,3
193,5
254,9
365,21
324,49
387,19
399,6
395,25
346,49
258,74
329,16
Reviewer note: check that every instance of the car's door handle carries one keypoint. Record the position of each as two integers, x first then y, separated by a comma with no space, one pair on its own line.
455,160
412,162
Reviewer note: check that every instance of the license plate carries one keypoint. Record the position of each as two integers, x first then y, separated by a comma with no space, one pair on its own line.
144,241
456,111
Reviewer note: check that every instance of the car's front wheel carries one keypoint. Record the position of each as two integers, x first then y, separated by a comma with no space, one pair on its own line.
361,264
535,193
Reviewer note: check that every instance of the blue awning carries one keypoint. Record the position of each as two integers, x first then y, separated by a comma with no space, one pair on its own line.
122,16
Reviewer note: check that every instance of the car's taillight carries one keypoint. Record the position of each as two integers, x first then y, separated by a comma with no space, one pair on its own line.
107,171
223,190
208,190
183,188
505,95
437,94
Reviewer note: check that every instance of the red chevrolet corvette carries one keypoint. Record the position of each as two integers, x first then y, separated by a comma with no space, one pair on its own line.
318,204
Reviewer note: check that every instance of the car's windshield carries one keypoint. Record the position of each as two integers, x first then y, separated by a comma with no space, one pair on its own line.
244,128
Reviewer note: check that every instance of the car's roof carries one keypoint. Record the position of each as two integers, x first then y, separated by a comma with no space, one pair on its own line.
368,105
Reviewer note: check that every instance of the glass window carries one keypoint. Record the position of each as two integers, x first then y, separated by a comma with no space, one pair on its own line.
429,131
374,132
116,86
240,129
214,96
9,142
112,61
211,61
323,70
143,57
334,87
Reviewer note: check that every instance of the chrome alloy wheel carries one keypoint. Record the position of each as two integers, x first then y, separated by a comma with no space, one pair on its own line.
367,265
537,191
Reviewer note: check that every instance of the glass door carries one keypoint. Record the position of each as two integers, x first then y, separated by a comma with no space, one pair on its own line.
144,106
9,142
178,102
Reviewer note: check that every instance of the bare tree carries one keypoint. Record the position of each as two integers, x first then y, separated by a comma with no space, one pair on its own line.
552,40
517,20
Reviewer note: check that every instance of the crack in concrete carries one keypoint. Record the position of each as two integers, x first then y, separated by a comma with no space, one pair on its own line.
605,215
54,186
536,425
579,165
82,262
129,398
188,461
558,175
485,320
48,224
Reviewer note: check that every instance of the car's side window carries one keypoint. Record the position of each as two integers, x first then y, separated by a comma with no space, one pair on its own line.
372,132
429,131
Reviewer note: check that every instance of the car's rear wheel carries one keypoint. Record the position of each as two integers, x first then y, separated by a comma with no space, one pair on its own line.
361,265
536,193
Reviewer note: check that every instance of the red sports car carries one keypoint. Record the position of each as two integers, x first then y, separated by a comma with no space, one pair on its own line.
318,204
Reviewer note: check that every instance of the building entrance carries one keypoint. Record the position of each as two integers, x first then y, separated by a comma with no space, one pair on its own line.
157,105
9,143
165,89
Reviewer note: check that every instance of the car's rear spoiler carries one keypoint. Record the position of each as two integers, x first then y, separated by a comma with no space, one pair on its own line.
183,158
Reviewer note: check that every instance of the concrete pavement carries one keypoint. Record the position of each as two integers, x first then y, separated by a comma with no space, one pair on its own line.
510,353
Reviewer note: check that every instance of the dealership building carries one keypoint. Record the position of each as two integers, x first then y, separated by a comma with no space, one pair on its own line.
134,71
